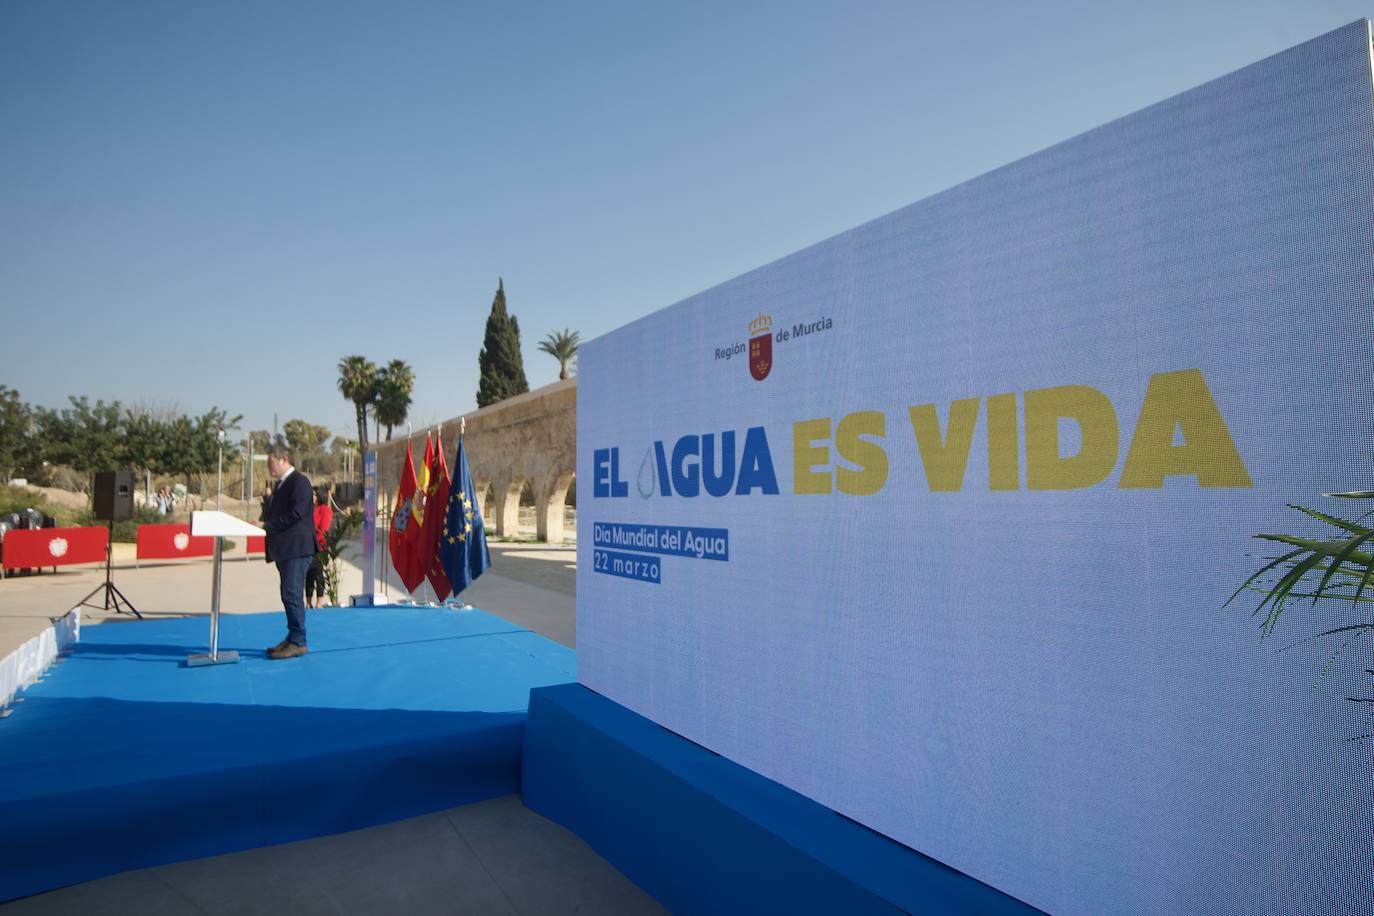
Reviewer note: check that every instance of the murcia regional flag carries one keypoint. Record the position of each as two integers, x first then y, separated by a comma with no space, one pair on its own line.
402,521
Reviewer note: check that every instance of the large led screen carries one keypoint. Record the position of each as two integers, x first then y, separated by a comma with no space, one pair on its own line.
949,522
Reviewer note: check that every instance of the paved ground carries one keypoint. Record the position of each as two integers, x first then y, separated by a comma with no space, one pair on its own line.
491,857
533,585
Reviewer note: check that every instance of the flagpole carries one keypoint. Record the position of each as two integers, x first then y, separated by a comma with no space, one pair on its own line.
410,434
425,584
459,603
386,548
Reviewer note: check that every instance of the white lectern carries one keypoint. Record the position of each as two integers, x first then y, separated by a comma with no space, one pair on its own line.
218,525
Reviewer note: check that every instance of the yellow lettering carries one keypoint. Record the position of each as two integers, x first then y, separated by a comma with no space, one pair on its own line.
806,456
1004,472
1046,469
945,458
869,456
1174,401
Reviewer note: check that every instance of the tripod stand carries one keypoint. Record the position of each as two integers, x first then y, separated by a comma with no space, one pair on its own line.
113,596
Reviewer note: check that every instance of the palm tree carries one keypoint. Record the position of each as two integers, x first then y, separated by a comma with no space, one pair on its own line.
393,401
358,382
1330,568
562,346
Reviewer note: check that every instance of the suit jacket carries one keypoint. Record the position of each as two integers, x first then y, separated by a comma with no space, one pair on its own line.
289,521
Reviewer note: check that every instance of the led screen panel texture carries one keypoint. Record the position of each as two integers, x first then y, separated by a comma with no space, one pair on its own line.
936,521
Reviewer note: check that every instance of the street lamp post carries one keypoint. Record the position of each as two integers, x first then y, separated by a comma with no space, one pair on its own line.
219,468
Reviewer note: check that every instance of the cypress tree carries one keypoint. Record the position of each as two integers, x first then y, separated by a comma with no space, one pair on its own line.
503,369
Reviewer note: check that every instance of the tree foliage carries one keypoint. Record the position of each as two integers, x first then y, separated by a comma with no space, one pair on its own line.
346,524
86,437
359,382
192,443
261,441
91,437
503,370
304,438
17,452
562,346
393,397
1334,567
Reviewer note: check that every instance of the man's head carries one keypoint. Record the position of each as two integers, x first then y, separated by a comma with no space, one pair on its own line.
278,460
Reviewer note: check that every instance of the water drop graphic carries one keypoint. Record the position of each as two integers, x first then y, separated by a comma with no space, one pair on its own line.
645,482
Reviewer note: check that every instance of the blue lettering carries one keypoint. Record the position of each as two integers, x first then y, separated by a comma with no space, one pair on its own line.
686,477
718,484
601,474
606,480
757,464
618,486
664,487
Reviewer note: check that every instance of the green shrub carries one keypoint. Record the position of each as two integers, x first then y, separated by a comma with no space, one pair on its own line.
125,532
17,499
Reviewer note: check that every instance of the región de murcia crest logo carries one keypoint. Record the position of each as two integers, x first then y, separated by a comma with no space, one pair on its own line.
760,346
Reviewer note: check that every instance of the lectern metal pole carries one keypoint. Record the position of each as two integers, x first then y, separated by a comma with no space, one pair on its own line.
215,656
214,603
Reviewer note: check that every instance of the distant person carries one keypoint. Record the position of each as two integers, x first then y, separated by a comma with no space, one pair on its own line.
289,522
314,579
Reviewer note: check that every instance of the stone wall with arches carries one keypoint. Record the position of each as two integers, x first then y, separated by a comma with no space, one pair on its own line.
531,438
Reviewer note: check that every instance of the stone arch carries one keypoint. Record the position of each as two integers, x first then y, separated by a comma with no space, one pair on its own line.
508,506
485,498
530,437
548,509
528,501
509,495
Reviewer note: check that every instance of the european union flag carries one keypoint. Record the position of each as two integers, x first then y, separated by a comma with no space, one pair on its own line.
463,543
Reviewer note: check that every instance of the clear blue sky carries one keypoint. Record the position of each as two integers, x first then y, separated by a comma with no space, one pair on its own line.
209,204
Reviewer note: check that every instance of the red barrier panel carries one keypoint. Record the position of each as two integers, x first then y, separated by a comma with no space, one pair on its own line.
167,542
257,545
34,549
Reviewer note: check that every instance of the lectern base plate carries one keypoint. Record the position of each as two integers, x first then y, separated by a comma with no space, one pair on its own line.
224,658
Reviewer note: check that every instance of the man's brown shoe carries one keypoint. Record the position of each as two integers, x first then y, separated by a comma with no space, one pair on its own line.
290,650
279,646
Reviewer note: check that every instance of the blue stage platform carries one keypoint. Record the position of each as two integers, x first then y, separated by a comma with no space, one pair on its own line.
702,834
124,758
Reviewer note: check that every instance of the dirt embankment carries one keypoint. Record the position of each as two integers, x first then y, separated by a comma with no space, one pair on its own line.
76,502
64,498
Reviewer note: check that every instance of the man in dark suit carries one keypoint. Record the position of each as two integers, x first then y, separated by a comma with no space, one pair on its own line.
291,545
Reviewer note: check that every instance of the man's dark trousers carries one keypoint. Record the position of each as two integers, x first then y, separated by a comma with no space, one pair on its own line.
291,545
293,596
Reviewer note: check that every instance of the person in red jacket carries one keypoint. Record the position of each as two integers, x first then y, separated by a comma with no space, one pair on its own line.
314,578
